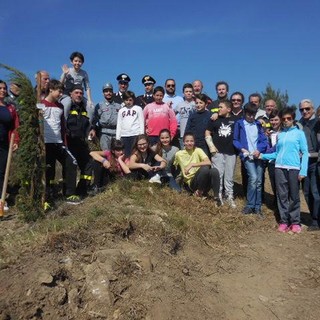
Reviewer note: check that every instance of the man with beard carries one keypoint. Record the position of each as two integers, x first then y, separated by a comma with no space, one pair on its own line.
198,88
256,99
222,89
170,96
172,100
105,118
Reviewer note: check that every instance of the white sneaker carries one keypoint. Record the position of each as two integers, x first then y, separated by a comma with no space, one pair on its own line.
231,202
155,179
221,199
5,207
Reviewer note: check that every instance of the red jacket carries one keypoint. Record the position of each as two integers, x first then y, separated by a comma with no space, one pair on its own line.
15,124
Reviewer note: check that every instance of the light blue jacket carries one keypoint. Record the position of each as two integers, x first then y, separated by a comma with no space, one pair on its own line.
291,151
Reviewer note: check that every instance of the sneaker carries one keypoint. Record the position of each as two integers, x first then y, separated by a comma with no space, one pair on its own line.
231,203
260,214
283,227
218,202
295,228
314,226
247,210
5,207
94,190
165,180
155,179
46,206
74,199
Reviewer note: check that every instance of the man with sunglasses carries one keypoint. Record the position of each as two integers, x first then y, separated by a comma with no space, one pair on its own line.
147,97
237,100
123,83
173,101
311,184
170,96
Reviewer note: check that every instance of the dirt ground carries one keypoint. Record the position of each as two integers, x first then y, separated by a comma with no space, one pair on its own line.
131,271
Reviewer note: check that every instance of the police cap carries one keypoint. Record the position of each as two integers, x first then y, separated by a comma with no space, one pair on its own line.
148,80
123,77
108,85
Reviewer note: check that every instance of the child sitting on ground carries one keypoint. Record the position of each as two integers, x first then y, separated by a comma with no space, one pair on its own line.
198,176
109,165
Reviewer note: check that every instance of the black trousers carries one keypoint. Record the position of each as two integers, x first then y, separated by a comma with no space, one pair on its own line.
80,150
206,178
57,151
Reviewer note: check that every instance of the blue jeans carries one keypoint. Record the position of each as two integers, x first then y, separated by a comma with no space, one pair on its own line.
173,184
311,189
255,175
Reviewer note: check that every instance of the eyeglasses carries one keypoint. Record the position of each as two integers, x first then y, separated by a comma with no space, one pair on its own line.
286,118
236,100
305,109
170,85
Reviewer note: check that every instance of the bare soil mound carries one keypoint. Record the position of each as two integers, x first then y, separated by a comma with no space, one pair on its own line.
138,251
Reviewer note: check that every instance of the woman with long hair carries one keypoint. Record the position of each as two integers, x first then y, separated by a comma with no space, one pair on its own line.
9,122
109,165
144,162
164,149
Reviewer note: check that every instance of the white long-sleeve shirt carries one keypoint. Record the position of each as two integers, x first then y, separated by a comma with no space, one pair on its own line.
130,122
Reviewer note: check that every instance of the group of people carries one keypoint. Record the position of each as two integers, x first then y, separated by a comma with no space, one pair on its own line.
188,142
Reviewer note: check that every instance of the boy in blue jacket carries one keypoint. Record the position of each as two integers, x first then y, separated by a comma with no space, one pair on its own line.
249,139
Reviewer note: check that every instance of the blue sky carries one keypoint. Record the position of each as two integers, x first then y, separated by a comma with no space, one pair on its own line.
246,43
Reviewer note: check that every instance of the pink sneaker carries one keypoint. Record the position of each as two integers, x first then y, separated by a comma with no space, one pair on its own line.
283,227
295,228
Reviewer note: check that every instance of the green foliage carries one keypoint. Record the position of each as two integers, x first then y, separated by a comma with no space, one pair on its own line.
281,99
30,158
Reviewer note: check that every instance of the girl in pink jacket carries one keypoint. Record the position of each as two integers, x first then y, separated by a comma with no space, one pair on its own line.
158,116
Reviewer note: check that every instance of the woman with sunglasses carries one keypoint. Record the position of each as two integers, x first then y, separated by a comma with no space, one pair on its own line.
291,164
